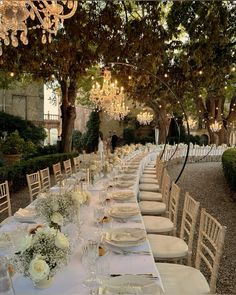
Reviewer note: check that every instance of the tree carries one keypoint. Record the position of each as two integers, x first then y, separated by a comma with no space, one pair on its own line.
78,45
207,58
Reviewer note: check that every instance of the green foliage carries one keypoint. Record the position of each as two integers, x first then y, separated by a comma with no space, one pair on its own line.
229,167
90,138
16,174
129,135
13,144
76,140
27,130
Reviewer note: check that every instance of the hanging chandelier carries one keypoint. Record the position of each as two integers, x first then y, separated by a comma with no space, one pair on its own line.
118,110
145,118
14,15
216,126
103,95
109,97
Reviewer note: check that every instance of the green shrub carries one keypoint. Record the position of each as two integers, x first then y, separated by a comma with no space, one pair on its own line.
27,130
16,174
129,135
229,167
13,144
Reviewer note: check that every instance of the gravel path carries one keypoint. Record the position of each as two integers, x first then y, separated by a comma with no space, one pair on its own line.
206,183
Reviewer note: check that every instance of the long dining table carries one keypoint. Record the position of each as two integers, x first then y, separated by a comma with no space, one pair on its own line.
139,261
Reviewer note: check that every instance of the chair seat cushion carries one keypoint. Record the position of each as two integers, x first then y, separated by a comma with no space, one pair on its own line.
148,171
150,196
148,180
157,224
167,246
154,176
181,279
152,208
149,187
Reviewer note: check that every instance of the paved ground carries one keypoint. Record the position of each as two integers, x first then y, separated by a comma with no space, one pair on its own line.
206,183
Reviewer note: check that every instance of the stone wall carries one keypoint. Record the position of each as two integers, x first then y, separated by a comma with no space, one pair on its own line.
26,102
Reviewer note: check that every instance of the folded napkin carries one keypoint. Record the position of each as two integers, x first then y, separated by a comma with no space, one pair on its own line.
122,195
127,235
25,213
123,211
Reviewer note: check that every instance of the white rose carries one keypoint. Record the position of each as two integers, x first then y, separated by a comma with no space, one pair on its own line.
38,269
57,218
25,243
61,241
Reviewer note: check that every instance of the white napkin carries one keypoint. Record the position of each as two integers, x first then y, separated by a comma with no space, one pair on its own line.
24,213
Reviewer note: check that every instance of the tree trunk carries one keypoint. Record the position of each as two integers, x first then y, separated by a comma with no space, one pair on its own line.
163,125
68,114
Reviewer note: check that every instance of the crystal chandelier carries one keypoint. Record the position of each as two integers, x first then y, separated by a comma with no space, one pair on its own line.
101,96
191,123
145,118
118,110
14,15
109,97
216,126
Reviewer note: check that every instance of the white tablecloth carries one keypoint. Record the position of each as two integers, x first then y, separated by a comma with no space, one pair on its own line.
70,279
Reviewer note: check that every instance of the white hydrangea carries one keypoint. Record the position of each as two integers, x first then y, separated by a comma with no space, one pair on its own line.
57,218
24,243
61,241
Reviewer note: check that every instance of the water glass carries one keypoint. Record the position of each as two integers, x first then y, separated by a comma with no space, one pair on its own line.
6,287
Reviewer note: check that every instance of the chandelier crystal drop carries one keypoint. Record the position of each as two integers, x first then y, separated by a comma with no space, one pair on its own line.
216,126
109,97
14,15
145,118
118,110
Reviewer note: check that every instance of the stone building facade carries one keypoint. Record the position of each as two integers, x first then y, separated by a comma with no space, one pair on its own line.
26,102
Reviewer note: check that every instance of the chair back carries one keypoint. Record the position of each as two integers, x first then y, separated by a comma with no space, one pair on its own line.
188,223
34,185
45,179
5,202
210,246
159,172
174,205
67,168
165,188
57,173
76,161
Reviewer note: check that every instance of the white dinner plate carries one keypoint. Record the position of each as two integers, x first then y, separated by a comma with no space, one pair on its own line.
130,284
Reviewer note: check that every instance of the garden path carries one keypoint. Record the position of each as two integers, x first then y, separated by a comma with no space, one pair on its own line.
206,183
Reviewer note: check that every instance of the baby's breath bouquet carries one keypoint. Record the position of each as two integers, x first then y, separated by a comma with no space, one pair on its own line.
41,254
60,209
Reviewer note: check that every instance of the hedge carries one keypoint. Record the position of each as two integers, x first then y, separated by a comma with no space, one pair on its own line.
16,174
229,167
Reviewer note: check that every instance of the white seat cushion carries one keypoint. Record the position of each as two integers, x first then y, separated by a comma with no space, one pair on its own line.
167,246
148,180
150,196
157,224
149,175
182,280
149,187
152,208
148,171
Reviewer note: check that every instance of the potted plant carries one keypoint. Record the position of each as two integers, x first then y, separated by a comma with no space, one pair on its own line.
12,147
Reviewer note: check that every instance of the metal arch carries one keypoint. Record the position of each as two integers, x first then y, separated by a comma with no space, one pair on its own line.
177,146
175,97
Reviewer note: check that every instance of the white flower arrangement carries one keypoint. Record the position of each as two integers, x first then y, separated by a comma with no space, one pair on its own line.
42,254
59,209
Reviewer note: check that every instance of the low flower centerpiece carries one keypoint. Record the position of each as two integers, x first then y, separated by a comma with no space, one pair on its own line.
41,254
60,209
